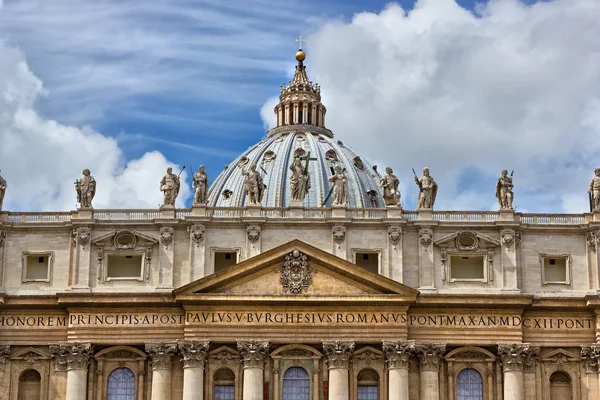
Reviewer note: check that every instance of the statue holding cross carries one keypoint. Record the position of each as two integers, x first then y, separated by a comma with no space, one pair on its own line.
300,178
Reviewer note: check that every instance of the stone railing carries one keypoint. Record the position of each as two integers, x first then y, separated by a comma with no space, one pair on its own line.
274,213
300,128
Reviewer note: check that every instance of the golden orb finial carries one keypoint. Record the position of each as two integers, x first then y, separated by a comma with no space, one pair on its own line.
300,55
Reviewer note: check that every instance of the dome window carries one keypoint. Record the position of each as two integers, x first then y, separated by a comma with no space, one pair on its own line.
331,155
358,162
322,139
299,152
243,161
300,138
269,156
226,194
339,142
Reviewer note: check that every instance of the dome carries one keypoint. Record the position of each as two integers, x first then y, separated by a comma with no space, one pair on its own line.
300,130
273,158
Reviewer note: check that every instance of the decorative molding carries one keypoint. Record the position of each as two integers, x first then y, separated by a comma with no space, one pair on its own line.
367,356
4,354
592,239
394,234
490,263
71,356
83,236
339,234
161,354
443,264
430,355
166,236
467,241
516,356
508,237
197,233
193,352
253,352
425,236
296,274
338,353
398,353
591,356
253,232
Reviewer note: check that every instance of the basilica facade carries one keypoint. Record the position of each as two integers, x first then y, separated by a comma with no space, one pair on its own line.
297,275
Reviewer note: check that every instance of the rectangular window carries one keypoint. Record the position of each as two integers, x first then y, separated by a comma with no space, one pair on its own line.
368,392
467,267
224,392
224,260
555,269
120,266
37,267
368,260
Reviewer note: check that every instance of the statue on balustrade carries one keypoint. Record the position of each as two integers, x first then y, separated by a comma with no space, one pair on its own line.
594,191
427,189
504,192
339,192
169,185
86,189
389,183
3,186
299,180
255,188
200,185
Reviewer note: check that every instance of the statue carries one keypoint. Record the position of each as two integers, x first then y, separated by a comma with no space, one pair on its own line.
169,185
339,190
427,190
594,191
86,189
255,188
200,185
504,192
3,186
389,183
299,180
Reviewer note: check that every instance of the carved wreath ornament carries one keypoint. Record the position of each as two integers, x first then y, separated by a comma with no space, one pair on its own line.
296,274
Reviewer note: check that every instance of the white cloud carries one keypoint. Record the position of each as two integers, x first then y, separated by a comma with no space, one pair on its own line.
41,158
267,112
515,87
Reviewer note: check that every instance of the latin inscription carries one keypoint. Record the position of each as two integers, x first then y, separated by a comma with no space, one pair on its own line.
292,318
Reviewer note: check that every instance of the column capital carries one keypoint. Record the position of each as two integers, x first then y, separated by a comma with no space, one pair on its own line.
193,352
430,355
397,353
338,353
161,353
71,356
253,352
591,356
4,353
516,356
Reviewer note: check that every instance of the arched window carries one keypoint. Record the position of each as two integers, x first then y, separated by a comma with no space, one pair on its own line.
30,385
560,386
121,385
224,381
469,385
368,385
296,385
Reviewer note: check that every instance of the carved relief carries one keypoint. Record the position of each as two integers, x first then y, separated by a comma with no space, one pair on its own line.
398,353
296,274
161,354
196,234
394,234
592,239
591,356
430,355
508,237
338,353
59,353
425,236
253,352
339,233
466,241
125,239
4,353
253,232
193,352
83,236
166,236
69,356
515,355
444,264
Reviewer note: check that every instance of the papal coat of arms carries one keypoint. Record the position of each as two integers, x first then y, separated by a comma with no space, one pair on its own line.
296,274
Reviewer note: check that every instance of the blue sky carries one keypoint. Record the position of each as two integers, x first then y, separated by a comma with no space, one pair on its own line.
188,78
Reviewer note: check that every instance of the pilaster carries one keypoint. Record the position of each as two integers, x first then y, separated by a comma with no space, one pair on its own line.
338,235
514,358
253,240
2,257
76,357
394,266
166,258
426,265
4,354
197,251
82,254
591,357
508,258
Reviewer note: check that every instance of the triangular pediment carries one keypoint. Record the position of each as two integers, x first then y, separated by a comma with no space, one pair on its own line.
296,270
124,239
561,355
467,240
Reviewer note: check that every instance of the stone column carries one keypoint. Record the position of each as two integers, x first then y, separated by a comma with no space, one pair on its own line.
4,354
430,357
253,354
2,251
338,355
313,115
76,357
193,352
161,354
397,354
513,357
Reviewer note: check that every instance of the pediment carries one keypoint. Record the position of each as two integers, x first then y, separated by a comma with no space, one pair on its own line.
224,354
561,355
296,270
467,241
30,354
124,239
